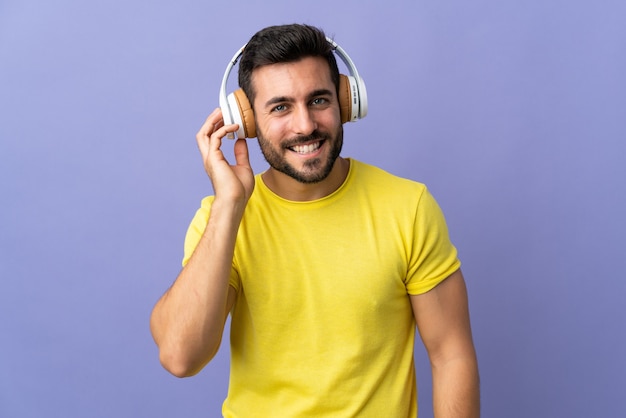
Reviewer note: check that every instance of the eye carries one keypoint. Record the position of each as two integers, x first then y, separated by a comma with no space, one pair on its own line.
279,108
319,101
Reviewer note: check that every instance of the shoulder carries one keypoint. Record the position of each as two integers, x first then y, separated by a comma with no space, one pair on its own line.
373,172
377,180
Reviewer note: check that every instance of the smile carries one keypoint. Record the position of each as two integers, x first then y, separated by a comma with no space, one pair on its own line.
306,149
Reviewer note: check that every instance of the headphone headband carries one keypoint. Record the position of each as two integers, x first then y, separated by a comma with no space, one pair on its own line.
231,110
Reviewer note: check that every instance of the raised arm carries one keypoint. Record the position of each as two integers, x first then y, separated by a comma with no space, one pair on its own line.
442,318
188,321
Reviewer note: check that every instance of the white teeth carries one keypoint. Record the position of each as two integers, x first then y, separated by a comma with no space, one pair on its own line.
305,149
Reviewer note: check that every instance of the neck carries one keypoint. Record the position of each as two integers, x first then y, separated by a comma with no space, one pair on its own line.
291,189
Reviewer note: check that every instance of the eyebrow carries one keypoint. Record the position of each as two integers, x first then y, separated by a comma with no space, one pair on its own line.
287,99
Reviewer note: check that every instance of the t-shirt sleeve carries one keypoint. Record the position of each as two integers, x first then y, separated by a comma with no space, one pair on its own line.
196,228
432,257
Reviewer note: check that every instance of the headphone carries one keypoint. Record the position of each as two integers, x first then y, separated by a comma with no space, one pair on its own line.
236,108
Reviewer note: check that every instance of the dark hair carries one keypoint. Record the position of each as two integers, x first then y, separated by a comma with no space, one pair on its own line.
285,43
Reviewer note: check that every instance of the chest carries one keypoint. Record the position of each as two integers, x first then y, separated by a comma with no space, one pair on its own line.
318,265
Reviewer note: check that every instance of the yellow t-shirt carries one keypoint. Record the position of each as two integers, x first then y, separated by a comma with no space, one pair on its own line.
323,324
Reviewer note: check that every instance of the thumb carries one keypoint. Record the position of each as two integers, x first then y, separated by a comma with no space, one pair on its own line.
242,156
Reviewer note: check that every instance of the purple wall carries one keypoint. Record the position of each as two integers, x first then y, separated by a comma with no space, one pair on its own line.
514,113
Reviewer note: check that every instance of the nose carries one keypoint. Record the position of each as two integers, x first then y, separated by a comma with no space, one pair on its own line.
302,121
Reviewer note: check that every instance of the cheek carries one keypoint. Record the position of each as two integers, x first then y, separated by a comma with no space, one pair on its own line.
273,129
330,118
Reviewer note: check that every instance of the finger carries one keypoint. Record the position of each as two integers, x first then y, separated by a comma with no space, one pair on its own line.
212,122
215,140
242,156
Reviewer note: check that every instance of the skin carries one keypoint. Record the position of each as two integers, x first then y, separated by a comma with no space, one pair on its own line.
442,319
295,105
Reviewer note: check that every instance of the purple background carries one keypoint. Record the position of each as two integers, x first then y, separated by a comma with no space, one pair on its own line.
514,114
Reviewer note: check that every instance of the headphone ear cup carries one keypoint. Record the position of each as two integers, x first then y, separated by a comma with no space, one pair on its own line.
242,114
345,99
350,99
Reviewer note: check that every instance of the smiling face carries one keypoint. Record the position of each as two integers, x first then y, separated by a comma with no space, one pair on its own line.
298,119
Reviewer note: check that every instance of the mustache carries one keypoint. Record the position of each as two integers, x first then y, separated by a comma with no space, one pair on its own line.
303,139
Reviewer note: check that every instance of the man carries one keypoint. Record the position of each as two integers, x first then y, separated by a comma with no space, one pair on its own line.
325,264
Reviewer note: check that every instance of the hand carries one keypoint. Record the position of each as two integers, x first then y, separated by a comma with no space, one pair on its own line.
234,182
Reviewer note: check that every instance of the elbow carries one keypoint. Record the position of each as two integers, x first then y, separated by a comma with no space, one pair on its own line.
176,366
181,354
182,364
178,369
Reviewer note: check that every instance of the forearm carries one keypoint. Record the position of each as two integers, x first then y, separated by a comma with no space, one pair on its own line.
188,321
456,389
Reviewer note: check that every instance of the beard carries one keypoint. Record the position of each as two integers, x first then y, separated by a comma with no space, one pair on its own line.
315,169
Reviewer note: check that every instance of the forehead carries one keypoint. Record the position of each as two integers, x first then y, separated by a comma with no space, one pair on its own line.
291,79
